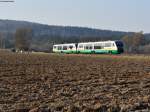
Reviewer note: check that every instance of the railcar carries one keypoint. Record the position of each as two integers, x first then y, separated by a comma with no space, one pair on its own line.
101,47
65,48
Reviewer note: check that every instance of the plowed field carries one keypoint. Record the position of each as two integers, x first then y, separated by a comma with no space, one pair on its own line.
87,83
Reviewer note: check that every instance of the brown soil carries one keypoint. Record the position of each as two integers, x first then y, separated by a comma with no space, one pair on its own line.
88,83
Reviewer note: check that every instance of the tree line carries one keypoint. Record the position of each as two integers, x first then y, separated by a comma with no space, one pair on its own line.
23,40
136,43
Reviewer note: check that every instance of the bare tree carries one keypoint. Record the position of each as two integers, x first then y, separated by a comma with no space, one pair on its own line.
2,41
22,39
134,42
128,43
137,41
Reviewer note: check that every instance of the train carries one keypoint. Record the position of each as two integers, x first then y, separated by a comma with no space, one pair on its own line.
100,47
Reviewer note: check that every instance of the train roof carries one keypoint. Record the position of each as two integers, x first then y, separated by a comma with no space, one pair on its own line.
88,42
95,42
64,44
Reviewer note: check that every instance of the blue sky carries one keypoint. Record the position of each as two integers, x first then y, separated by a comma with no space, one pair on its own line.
122,15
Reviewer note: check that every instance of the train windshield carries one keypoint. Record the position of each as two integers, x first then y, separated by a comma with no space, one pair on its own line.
119,43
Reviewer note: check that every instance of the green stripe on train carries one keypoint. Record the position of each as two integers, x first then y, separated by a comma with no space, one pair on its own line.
68,51
98,51
89,51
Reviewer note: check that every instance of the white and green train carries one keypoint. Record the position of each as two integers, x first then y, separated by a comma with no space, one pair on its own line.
101,47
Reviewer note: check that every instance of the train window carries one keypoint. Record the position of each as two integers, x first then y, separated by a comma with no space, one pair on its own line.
80,46
59,47
64,47
55,47
88,47
70,47
119,44
97,47
102,44
107,44
113,44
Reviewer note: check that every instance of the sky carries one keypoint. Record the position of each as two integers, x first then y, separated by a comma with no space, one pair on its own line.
120,15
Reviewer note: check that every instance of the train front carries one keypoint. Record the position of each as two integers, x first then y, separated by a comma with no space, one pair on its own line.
120,46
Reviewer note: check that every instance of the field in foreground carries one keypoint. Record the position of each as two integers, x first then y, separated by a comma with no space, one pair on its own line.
48,82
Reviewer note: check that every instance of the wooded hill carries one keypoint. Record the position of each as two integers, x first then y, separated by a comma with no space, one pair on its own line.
43,36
